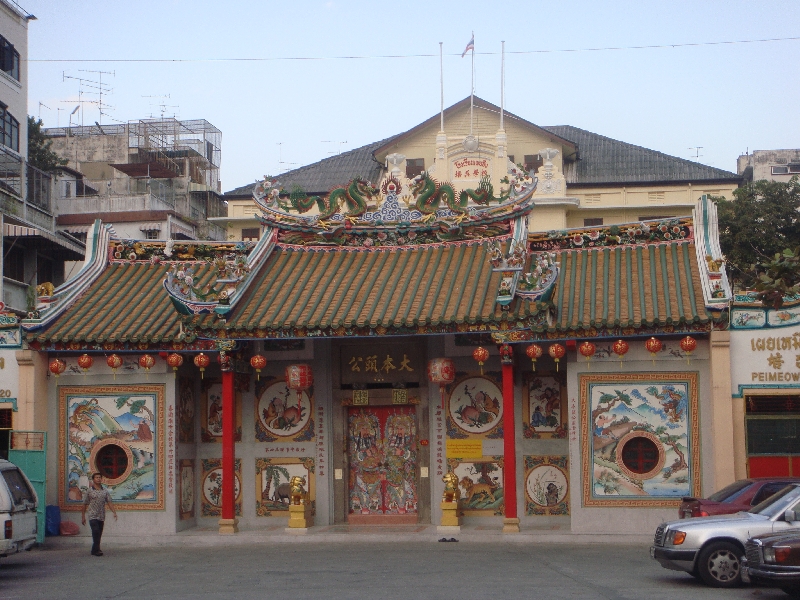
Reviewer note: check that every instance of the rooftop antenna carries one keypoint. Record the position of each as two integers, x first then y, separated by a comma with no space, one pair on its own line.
334,142
41,104
162,106
96,87
101,89
696,151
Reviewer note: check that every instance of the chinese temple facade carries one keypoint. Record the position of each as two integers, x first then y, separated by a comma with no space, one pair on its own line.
413,349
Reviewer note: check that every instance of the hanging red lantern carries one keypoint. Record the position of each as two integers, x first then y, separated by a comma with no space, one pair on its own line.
587,349
534,351
258,362
299,378
653,346
688,345
556,352
175,360
115,362
201,361
85,362
146,361
481,355
620,348
57,366
441,371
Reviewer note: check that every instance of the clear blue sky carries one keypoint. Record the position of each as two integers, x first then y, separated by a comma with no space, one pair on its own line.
726,98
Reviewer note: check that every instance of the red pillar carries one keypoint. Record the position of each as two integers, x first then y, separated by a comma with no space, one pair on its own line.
227,524
511,521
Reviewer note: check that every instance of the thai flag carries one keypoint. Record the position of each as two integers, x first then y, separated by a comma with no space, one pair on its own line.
470,46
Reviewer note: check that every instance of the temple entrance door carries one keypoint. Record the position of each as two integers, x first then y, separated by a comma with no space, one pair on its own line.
382,465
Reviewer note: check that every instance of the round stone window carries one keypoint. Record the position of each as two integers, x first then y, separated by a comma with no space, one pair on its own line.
113,460
640,455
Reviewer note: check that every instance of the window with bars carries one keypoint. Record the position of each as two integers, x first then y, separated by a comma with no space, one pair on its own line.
151,234
414,167
656,196
111,461
640,455
251,234
9,129
9,58
533,162
592,198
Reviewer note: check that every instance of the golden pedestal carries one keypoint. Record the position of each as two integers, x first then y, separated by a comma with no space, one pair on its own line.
228,526
510,525
450,516
299,516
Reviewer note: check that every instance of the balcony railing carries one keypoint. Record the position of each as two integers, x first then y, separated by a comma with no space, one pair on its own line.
25,191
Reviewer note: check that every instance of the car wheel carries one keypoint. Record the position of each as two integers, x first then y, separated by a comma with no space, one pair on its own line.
719,566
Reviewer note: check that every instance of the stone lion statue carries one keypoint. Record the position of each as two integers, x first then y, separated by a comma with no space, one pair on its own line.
297,492
45,289
451,492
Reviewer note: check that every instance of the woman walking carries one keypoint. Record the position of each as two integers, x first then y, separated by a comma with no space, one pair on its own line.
96,499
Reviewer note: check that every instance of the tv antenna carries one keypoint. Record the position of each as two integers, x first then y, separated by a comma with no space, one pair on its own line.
696,151
41,104
162,106
334,142
281,168
92,87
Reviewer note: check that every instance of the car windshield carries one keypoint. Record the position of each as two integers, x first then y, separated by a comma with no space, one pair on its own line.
777,504
729,492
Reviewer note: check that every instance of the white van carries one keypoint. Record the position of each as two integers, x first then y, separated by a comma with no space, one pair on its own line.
17,510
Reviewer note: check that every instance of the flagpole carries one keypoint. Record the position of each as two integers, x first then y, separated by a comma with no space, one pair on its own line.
472,91
441,85
502,80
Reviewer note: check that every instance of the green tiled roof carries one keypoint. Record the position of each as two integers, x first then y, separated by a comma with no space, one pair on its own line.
629,286
400,290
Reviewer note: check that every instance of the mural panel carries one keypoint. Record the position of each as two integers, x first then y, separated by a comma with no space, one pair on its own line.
186,409
211,501
186,489
283,414
272,484
546,485
211,424
544,407
639,439
117,430
475,408
481,483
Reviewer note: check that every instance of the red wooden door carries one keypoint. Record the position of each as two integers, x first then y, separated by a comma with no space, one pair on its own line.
382,457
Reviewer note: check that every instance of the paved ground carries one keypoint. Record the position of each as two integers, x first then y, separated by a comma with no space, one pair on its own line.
354,568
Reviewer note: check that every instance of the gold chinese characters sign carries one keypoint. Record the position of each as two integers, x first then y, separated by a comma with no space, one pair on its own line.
374,363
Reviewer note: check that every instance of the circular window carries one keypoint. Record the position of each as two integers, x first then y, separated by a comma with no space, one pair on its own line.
640,455
112,459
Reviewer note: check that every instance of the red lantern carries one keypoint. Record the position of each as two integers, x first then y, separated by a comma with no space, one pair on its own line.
441,371
534,351
556,352
653,346
620,348
115,362
57,366
175,361
688,345
299,378
258,362
201,361
587,349
480,354
85,362
146,361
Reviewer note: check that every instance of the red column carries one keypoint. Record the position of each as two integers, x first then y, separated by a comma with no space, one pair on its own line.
511,522
228,446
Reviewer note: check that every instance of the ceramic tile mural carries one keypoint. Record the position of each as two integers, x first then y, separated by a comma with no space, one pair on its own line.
211,424
481,484
639,439
546,485
211,501
282,414
186,410
475,407
119,427
272,483
186,489
544,407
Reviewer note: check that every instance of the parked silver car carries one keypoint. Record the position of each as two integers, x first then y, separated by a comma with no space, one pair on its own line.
710,548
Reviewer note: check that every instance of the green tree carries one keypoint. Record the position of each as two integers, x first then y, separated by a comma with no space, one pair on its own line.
39,153
758,224
779,277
